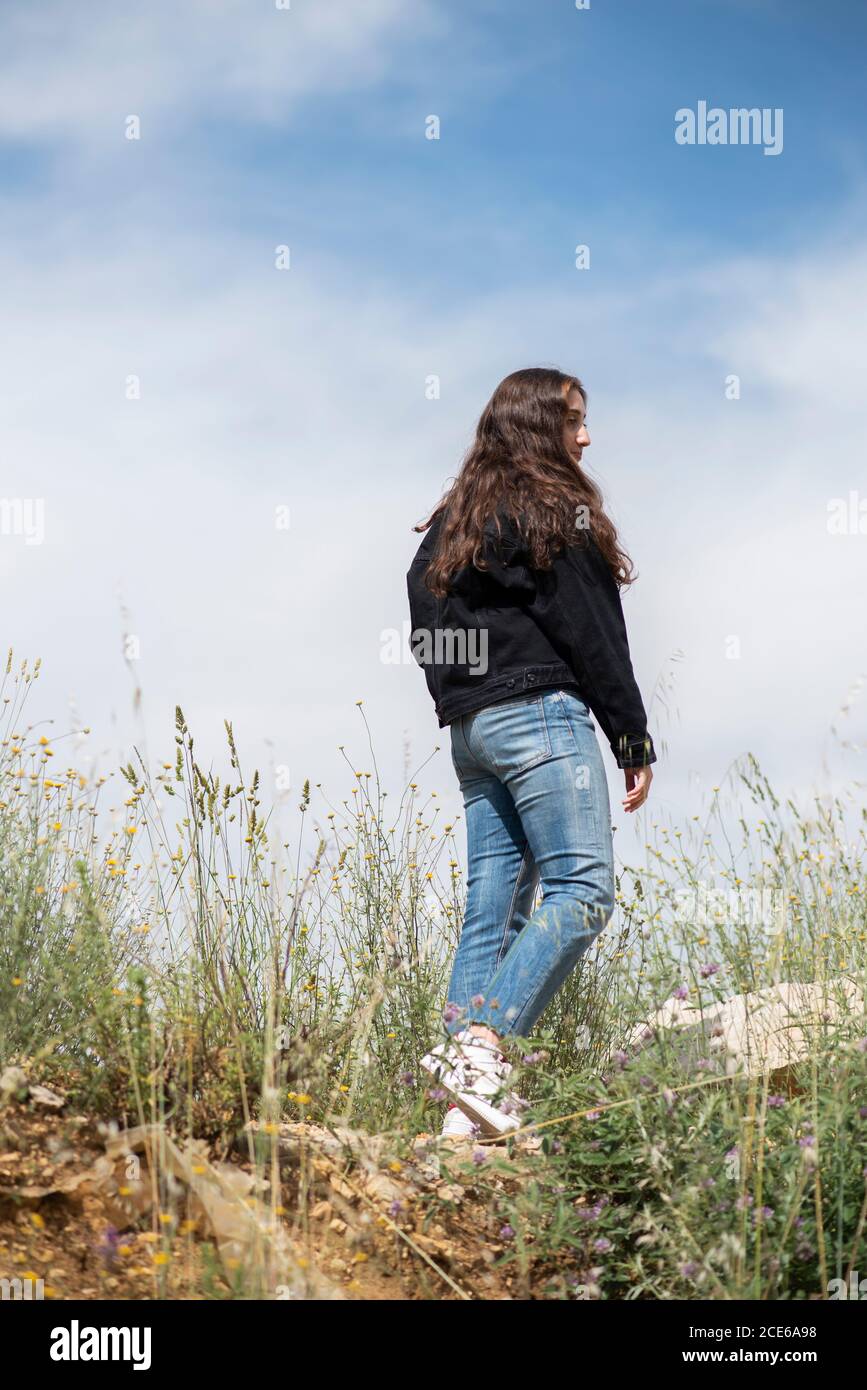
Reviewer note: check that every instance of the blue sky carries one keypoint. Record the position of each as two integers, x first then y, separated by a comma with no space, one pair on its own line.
554,121
413,257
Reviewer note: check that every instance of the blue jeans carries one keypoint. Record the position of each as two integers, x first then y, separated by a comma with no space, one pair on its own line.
536,799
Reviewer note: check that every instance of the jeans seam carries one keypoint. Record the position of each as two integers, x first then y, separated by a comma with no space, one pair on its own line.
601,831
533,986
519,878
485,751
458,732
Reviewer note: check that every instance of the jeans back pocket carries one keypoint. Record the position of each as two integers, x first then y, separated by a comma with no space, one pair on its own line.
512,735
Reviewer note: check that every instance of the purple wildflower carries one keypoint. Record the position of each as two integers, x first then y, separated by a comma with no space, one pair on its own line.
690,1269
506,1232
108,1247
603,1245
681,992
707,970
395,1209
774,1102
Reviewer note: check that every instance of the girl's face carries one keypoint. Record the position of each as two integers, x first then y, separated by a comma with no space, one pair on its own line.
575,436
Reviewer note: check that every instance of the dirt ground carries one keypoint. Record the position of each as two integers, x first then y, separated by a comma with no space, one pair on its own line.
359,1223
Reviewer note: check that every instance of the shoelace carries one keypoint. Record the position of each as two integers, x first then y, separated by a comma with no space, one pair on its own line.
484,1059
484,1062
485,1048
472,1057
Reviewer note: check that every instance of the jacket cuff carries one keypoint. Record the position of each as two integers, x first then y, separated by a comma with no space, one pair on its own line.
634,750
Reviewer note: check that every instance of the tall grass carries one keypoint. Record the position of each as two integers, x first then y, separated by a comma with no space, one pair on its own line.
185,966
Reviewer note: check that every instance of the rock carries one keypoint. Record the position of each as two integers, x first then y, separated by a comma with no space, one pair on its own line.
451,1192
13,1082
342,1187
383,1188
50,1100
242,1226
764,1030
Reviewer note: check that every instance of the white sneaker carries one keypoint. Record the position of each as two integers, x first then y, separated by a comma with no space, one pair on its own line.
474,1073
457,1125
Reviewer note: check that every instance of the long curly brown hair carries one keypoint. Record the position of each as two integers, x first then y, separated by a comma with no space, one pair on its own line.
517,463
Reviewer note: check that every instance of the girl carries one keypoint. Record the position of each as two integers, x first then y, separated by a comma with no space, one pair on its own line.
517,622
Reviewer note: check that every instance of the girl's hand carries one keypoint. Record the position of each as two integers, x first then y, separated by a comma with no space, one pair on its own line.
638,781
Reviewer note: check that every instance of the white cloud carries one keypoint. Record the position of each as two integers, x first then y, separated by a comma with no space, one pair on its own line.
67,73
306,391
306,388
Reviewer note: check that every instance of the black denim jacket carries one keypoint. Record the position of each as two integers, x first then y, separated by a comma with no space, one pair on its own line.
510,629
